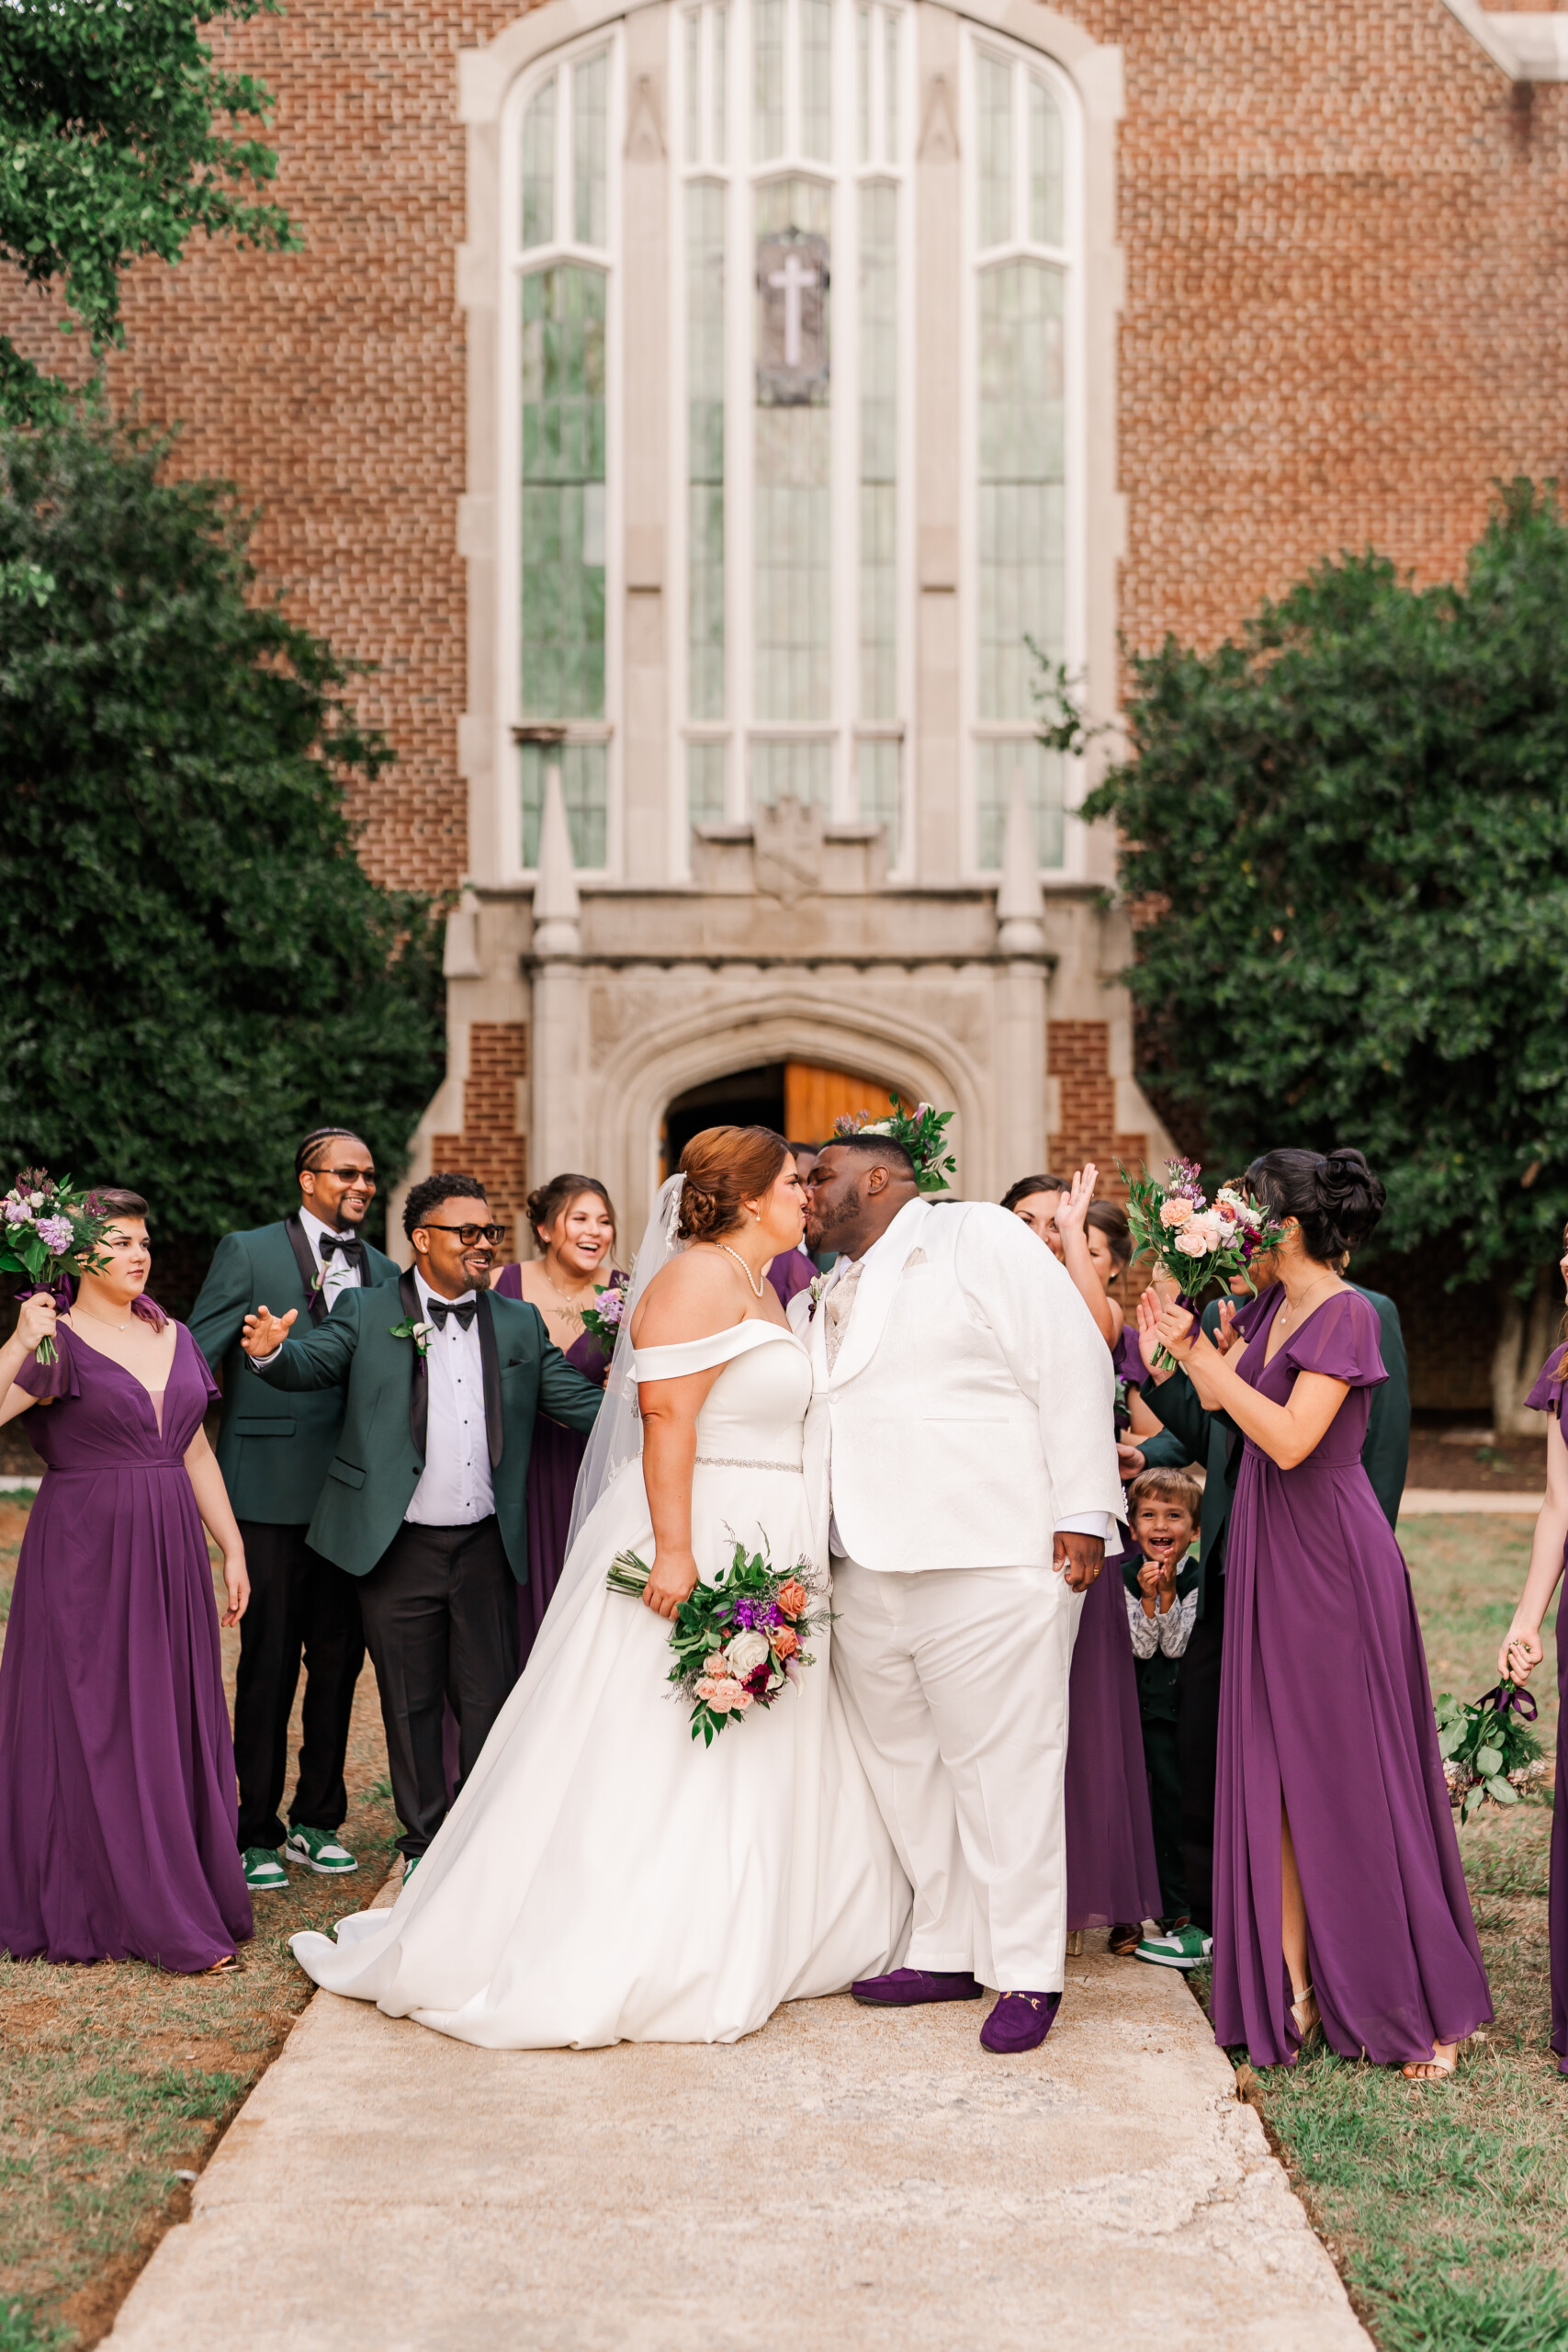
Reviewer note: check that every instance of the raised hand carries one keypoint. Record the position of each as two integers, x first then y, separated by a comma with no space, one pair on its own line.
1150,1308
264,1332
1073,1205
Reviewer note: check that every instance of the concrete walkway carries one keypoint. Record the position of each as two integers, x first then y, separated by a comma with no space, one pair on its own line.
841,2180
1438,1502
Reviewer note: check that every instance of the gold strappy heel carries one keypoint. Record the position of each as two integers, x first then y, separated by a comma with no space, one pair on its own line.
1306,2020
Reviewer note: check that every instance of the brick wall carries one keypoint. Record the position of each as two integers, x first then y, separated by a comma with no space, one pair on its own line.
1077,1055
490,1146
1346,283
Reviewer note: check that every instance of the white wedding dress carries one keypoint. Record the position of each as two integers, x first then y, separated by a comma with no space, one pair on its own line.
604,1877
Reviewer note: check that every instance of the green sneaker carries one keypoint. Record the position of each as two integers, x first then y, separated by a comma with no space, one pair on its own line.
318,1849
411,1863
1183,1948
264,1873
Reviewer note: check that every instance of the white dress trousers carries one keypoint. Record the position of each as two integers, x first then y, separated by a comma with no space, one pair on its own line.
954,1683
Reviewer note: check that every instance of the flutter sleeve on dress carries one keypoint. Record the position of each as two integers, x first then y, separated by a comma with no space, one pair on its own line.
210,1389
48,1381
1340,1339
1546,1396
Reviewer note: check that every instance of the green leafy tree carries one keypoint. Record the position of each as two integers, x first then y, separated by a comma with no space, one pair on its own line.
106,115
195,969
1346,833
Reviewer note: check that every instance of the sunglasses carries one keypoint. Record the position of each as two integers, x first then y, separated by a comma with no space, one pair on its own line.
346,1175
466,1234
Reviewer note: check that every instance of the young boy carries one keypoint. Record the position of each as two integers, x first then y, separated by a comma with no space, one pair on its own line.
1162,1602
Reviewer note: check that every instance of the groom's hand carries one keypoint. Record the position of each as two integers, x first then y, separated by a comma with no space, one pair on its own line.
264,1332
1079,1558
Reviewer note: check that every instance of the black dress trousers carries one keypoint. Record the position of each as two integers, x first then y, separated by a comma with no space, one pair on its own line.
440,1609
1198,1748
300,1605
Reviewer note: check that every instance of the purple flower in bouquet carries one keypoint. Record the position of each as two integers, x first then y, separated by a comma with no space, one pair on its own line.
50,1230
18,1212
55,1233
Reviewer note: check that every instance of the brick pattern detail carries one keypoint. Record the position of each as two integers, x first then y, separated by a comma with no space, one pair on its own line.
1320,346
490,1146
1077,1055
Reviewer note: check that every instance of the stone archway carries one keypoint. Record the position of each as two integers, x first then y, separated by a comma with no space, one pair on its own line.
673,1046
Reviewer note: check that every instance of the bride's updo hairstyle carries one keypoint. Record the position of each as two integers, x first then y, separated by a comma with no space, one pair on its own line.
1334,1198
723,1167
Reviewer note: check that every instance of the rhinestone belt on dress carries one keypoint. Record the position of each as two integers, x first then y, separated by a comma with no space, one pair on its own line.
738,1462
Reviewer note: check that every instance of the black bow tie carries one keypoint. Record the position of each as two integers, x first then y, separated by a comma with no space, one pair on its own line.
465,1309
352,1248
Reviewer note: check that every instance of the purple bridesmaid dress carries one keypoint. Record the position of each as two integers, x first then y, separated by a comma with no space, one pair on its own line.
1546,1396
553,1466
1113,1875
118,1798
1326,1709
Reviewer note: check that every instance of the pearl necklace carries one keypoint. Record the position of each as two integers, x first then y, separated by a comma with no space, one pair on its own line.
104,1319
757,1284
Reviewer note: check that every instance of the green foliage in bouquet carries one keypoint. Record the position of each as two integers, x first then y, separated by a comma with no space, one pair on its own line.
1350,823
50,1228
735,1642
1485,1740
195,969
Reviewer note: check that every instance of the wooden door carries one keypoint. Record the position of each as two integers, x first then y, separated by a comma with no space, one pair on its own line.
815,1097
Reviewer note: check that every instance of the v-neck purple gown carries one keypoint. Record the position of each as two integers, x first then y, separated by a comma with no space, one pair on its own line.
1546,1396
1112,1871
1325,1709
117,1797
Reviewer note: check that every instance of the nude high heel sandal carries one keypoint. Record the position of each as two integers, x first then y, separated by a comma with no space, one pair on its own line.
1306,2020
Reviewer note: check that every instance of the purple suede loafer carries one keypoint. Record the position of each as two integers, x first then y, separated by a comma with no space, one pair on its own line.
906,1987
1019,2022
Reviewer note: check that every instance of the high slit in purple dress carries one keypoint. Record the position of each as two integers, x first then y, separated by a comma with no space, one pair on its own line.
1546,1396
1113,1873
1326,1709
117,1797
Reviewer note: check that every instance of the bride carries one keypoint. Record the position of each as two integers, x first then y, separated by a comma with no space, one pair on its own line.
602,1876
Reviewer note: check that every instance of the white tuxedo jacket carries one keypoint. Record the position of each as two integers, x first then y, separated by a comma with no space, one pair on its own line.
971,1405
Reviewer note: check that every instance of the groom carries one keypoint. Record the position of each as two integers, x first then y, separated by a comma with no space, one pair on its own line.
972,1484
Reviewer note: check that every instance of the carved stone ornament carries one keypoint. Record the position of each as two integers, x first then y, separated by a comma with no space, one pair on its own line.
786,849
792,338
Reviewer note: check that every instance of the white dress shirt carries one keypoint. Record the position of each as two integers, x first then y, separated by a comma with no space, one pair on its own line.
1092,1522
339,1275
456,1489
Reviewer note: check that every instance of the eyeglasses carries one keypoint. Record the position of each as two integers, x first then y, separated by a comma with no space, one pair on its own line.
466,1234
346,1175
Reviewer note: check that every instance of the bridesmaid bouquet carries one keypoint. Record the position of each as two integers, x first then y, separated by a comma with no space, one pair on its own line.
1193,1241
736,1643
46,1228
604,1319
1489,1754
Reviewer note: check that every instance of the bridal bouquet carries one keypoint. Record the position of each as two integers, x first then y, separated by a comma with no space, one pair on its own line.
736,1643
47,1230
1195,1241
1489,1755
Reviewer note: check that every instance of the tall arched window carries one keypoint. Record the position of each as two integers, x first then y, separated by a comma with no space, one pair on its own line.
564,231
794,141
1023,426
785,462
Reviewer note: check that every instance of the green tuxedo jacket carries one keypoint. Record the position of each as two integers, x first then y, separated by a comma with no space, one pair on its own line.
1212,1438
274,1451
380,1454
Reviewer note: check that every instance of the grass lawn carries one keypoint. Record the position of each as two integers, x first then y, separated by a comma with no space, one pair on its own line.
1446,2204
117,2080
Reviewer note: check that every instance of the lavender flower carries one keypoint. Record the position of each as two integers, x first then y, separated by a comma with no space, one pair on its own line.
18,1213
55,1233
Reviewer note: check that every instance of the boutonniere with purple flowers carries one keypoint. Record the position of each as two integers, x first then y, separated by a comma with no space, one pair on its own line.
419,1333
